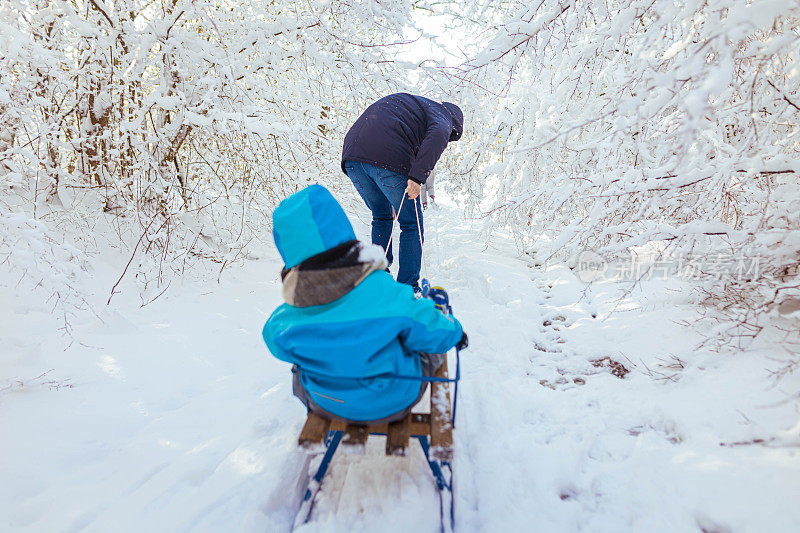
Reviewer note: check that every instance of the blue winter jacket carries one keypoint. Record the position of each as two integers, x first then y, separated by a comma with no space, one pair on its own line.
349,349
403,133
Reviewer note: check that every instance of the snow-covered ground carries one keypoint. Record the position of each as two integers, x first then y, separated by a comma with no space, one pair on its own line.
173,417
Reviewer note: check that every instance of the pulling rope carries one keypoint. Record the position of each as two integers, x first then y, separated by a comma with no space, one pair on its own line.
391,231
419,233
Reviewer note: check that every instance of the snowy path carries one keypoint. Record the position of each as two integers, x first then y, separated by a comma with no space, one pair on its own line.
178,420
551,440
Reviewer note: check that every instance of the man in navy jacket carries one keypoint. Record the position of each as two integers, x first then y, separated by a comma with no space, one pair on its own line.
389,151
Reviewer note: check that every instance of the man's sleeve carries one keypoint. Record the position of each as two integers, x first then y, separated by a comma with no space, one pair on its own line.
433,144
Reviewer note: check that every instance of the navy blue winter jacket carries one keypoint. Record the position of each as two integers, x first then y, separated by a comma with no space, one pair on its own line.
403,133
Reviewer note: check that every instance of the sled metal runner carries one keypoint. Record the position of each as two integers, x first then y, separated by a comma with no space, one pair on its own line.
440,468
433,431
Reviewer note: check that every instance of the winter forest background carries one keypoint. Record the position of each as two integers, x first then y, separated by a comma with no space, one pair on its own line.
600,125
642,132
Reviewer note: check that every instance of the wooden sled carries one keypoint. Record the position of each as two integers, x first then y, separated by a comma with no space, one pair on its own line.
433,430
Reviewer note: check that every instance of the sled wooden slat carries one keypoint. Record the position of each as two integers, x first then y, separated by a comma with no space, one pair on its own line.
397,436
314,431
338,425
355,437
441,426
420,424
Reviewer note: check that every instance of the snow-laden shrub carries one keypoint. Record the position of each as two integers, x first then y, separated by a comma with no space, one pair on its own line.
186,121
162,105
35,260
622,124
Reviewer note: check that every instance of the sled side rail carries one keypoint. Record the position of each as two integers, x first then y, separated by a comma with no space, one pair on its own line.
441,417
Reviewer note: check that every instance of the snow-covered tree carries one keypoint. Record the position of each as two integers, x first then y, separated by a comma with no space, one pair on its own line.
190,117
613,125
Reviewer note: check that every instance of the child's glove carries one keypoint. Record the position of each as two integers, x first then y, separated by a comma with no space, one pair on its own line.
463,344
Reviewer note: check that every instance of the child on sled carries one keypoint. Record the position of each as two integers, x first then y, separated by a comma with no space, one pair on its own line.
347,326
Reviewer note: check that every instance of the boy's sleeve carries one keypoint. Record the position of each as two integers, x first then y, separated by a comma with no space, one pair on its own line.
270,334
428,330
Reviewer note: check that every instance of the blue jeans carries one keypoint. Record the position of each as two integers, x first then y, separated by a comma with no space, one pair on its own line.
383,190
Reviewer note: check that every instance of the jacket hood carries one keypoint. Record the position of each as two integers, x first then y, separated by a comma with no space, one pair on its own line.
328,276
308,223
458,120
